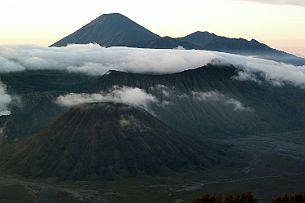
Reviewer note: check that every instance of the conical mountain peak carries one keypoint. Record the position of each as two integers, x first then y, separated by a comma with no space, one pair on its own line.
112,29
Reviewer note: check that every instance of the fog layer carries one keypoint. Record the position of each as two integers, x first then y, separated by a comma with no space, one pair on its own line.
92,59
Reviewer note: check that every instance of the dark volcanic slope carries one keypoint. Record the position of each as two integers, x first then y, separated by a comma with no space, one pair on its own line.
109,30
90,141
166,43
34,108
275,108
104,141
209,41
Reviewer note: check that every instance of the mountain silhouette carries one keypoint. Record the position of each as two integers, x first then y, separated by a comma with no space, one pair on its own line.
118,30
109,30
210,41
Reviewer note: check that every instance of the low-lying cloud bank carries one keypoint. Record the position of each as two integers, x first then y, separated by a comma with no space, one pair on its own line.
209,96
126,95
92,59
139,97
273,72
95,60
215,96
5,100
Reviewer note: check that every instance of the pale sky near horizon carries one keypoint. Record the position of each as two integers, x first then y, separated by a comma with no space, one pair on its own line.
278,23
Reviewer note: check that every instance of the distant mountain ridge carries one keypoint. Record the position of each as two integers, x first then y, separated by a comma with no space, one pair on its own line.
118,30
210,41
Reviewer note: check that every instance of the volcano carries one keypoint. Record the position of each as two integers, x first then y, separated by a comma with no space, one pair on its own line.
104,141
109,30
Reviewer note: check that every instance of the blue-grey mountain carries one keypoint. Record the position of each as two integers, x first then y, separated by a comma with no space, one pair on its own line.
118,30
109,30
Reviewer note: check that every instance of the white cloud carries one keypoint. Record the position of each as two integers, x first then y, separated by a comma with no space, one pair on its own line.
139,97
7,66
215,96
273,72
246,76
126,95
164,90
95,60
5,100
179,48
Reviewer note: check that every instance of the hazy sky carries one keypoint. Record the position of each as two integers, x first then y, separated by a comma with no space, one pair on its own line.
279,23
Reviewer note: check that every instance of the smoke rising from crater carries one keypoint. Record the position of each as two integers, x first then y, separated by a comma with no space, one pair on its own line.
5,100
215,96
